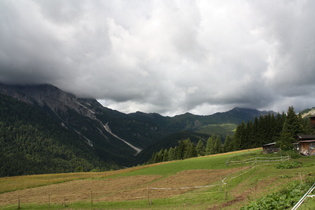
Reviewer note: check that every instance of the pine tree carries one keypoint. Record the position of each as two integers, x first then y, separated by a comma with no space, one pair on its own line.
217,145
292,123
213,145
209,146
180,150
291,128
165,155
227,146
171,154
240,136
200,148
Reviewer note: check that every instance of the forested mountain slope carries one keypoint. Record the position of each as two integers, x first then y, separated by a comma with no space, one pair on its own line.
31,143
49,130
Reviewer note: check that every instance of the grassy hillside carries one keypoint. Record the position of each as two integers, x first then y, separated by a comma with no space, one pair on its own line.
218,129
196,183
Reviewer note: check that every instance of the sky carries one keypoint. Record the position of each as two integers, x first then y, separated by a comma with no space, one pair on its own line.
164,56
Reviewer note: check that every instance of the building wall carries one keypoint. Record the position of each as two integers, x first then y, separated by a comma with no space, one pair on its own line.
307,148
312,120
269,150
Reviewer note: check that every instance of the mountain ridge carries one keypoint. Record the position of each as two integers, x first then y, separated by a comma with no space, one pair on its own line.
86,119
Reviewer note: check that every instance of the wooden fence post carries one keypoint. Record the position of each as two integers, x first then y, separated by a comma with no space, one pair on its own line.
19,203
149,202
64,202
91,198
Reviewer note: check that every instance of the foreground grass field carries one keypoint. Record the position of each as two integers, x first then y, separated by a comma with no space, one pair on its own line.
196,183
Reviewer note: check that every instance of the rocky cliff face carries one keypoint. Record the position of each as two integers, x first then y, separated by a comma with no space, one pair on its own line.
50,96
78,115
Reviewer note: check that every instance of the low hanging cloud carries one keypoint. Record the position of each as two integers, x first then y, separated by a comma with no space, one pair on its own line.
164,56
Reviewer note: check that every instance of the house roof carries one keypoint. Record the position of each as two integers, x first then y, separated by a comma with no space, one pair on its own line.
306,137
270,144
307,141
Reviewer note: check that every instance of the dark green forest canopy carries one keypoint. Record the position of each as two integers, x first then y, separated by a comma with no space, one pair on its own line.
33,144
281,128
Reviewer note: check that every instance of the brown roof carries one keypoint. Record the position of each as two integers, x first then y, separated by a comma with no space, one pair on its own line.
306,137
307,141
270,144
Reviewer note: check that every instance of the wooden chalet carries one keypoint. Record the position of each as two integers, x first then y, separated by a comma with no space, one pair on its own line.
270,148
306,144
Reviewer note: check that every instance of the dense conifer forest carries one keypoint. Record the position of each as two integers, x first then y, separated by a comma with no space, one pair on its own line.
33,144
281,128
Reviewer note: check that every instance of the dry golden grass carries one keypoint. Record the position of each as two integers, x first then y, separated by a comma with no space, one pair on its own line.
105,186
115,189
8,184
73,191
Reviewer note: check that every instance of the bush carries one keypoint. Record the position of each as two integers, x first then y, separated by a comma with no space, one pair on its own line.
291,153
288,165
284,199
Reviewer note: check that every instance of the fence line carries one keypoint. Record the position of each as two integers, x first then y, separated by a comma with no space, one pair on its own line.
182,188
244,172
90,195
225,180
251,160
259,159
223,183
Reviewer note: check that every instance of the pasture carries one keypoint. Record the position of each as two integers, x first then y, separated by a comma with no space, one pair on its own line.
196,183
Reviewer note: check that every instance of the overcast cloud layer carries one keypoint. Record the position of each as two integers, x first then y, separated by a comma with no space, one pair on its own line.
165,56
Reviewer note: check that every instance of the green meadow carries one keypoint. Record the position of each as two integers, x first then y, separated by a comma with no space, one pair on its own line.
197,183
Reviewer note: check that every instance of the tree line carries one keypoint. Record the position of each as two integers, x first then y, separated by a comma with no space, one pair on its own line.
188,149
280,128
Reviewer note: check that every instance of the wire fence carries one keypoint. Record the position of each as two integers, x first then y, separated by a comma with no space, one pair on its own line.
222,184
256,161
259,160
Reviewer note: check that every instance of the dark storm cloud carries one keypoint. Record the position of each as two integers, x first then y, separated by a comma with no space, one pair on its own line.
164,56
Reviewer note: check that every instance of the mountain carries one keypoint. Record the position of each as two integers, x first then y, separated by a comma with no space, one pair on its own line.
32,143
308,112
88,135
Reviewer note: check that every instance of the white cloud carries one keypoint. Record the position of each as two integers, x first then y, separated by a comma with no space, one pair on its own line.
164,56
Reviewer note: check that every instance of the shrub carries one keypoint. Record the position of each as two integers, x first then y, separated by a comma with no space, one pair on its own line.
284,199
288,165
291,153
